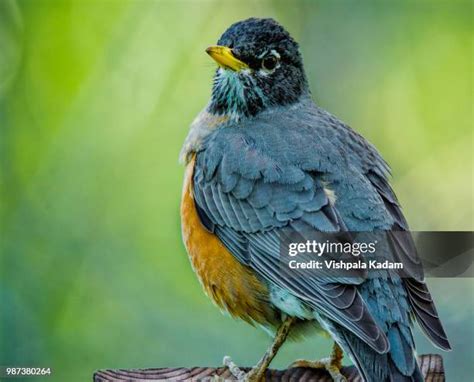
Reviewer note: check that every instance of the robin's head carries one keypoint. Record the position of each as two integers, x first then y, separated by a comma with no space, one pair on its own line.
260,66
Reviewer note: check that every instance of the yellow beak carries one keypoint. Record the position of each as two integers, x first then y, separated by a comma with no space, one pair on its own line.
225,59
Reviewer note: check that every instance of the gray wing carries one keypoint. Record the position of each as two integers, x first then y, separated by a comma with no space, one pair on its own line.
251,185
373,167
421,302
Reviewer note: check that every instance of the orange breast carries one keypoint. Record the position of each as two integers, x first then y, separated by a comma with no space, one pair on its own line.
231,285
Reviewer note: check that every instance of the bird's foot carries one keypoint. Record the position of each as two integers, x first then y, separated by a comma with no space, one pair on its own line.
257,373
332,365
325,363
254,375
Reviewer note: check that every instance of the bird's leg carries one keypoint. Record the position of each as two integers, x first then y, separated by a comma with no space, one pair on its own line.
333,364
257,373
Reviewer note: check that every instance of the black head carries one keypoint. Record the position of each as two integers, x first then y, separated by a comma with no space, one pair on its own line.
260,66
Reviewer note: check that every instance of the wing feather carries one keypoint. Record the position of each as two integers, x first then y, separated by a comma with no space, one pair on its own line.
404,250
253,235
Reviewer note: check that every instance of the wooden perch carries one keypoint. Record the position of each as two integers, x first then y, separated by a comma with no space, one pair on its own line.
431,367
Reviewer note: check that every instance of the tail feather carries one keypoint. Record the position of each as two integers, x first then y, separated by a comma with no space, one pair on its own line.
398,365
401,350
396,376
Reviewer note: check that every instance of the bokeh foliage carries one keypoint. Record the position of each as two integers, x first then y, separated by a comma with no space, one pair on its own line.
95,101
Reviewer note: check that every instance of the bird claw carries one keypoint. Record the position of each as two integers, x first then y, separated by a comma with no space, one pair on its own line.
254,375
233,368
328,364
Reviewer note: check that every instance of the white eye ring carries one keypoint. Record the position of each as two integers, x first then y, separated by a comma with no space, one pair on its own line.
270,62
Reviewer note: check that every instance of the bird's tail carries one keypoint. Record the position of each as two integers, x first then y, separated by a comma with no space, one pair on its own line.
399,364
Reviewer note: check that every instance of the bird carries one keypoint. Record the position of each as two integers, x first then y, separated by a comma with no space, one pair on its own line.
262,158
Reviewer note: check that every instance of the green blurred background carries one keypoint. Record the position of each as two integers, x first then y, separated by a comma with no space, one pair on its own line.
95,100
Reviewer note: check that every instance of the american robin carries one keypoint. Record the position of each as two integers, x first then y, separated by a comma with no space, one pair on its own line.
261,158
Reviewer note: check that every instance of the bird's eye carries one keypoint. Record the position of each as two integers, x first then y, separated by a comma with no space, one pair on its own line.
269,63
